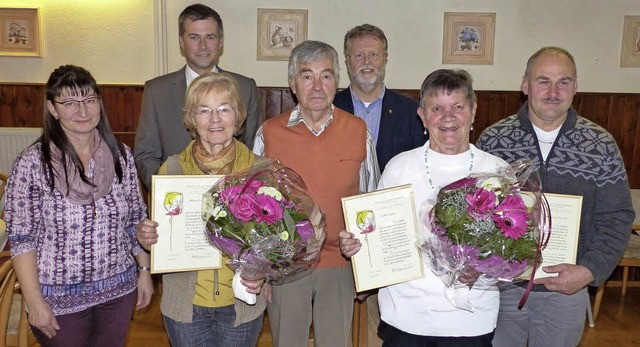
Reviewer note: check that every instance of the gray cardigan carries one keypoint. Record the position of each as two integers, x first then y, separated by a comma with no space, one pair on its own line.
179,288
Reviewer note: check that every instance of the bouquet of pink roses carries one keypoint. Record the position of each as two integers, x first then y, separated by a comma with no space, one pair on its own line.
265,222
491,225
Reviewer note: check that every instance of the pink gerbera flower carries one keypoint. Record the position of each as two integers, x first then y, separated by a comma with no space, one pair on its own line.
512,216
270,210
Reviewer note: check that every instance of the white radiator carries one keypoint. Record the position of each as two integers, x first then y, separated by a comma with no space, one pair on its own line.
12,142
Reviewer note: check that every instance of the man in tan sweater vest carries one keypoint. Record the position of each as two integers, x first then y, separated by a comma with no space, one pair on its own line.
334,154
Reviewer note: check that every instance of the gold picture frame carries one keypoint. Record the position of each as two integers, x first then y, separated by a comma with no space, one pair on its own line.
630,54
468,38
279,30
20,33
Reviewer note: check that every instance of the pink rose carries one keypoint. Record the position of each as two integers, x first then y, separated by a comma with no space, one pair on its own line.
244,207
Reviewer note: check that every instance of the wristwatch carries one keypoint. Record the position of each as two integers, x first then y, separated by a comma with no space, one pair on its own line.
144,268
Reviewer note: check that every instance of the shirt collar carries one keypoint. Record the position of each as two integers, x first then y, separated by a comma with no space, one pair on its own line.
191,75
355,98
296,118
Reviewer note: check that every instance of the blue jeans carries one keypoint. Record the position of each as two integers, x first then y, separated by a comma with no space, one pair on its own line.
213,326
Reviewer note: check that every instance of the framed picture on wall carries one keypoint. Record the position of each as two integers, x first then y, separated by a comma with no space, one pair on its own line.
468,38
20,33
630,55
279,30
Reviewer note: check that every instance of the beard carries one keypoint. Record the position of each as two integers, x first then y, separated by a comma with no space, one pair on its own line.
367,84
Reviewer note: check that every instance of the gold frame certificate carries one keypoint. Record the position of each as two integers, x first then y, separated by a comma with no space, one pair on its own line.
176,204
565,231
385,223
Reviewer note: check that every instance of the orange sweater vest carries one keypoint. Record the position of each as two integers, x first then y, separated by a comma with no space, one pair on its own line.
329,164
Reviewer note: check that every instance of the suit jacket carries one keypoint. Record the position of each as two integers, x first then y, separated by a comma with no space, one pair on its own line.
400,126
161,130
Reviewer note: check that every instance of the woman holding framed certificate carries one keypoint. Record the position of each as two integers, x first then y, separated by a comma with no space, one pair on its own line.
199,307
417,312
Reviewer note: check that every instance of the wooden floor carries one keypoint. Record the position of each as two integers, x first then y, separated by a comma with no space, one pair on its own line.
617,324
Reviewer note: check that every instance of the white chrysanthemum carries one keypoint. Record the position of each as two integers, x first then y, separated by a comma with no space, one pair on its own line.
270,191
218,212
491,184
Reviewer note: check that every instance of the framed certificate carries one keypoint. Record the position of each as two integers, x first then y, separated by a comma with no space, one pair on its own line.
385,223
176,204
565,231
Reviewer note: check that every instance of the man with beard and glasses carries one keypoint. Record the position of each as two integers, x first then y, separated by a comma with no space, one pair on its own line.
391,118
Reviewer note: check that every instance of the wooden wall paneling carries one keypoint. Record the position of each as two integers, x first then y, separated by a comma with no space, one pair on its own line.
29,105
270,102
122,104
7,105
632,112
22,105
623,121
482,116
289,100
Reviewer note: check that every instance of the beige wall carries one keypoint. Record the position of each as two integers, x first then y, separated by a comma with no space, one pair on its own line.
116,39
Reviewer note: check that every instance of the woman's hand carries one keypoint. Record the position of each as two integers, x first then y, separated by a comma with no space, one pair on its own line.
145,289
147,233
253,286
41,316
349,245
468,276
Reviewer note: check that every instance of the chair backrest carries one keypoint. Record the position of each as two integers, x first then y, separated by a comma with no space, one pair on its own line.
14,326
7,284
635,200
3,186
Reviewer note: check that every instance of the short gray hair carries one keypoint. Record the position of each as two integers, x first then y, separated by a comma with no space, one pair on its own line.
448,80
310,52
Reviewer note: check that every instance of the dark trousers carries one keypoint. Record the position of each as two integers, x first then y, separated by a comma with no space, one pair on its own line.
105,324
393,337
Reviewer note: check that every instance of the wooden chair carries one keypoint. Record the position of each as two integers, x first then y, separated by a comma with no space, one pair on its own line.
14,327
3,185
630,258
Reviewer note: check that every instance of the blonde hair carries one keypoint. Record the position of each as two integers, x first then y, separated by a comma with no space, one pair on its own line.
222,84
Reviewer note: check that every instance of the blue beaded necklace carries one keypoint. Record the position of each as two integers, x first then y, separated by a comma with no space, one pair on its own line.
426,165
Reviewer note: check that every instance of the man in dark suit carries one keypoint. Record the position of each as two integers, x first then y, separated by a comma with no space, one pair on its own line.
391,118
161,130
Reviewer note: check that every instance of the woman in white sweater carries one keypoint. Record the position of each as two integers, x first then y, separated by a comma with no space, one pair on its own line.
417,313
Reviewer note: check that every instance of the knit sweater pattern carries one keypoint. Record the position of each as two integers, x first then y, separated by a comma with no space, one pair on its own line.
584,160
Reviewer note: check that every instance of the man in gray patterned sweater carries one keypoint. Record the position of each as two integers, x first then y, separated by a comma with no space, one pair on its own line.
573,156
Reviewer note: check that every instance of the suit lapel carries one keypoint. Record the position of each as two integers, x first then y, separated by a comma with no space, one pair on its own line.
179,89
387,124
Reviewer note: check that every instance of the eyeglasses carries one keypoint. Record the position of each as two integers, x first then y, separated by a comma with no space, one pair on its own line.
206,112
91,102
373,56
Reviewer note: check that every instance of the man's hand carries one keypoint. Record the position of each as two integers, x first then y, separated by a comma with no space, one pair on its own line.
571,278
349,245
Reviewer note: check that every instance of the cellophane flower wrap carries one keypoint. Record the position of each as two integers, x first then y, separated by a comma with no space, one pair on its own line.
491,225
265,222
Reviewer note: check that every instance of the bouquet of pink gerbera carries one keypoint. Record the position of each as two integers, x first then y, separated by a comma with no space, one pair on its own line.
491,225
265,222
